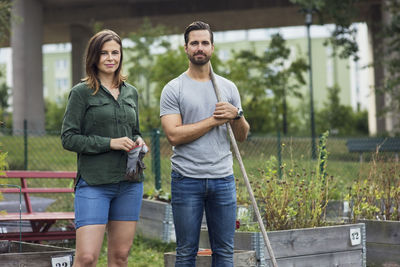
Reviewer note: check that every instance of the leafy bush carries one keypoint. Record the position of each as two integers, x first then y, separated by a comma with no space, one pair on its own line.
3,167
376,193
291,197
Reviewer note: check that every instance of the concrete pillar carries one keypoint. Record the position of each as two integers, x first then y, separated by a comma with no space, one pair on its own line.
26,43
80,36
391,116
375,24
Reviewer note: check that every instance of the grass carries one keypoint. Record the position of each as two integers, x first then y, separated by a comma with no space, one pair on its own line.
46,153
144,252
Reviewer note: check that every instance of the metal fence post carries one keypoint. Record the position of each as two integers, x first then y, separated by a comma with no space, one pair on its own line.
155,157
25,144
364,244
279,155
257,243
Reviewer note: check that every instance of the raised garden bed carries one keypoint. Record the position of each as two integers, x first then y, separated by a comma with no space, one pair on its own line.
383,243
341,245
156,221
241,258
13,253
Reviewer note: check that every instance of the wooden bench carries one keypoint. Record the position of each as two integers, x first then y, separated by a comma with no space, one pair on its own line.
40,222
362,145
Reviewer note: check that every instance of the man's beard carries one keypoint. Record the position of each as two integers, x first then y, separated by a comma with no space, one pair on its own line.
199,62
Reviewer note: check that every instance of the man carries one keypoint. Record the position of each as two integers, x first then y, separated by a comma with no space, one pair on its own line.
202,173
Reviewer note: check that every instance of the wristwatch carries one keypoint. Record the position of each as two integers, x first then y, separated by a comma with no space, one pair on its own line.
239,114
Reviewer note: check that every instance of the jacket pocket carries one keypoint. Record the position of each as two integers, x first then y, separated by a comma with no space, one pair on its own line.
100,111
129,112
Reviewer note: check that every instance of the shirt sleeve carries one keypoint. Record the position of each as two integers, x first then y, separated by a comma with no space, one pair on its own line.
235,96
136,130
169,100
71,131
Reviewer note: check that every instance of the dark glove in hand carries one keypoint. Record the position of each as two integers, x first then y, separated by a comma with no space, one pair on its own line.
135,165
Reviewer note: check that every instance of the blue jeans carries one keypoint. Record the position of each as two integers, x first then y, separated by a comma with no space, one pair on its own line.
190,197
99,204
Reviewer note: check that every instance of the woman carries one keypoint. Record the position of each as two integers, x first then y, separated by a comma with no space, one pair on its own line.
101,125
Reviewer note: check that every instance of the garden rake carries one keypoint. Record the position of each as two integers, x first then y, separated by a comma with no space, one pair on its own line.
246,179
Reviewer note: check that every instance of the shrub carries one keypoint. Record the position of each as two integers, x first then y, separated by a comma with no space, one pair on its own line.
3,166
291,197
376,193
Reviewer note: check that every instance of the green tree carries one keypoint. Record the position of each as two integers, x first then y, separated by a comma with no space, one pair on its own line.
168,66
3,95
5,20
148,41
152,63
391,63
5,116
174,62
339,119
342,13
54,113
265,82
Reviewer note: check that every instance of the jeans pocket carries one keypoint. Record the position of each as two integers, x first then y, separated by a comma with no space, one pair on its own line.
229,178
176,176
81,183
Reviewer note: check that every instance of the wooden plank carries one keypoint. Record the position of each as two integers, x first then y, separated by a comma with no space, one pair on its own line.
42,259
38,190
152,209
379,254
14,246
386,232
38,216
342,259
39,236
150,228
40,174
155,229
300,242
383,243
240,259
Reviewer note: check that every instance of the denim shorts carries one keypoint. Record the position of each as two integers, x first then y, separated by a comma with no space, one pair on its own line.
111,202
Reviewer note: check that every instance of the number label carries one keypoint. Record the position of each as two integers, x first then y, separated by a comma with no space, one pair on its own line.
65,261
355,236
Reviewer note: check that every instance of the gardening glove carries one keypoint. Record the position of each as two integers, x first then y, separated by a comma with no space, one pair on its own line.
135,165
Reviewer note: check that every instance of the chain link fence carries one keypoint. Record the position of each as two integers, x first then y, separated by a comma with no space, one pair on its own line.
37,151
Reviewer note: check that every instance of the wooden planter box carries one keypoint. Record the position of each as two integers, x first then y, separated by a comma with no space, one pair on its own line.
156,221
383,243
241,258
321,246
13,253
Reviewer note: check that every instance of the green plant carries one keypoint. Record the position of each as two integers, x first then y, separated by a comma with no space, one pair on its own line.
376,193
3,167
160,195
291,197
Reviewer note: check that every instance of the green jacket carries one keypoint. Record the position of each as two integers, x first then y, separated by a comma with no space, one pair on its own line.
90,121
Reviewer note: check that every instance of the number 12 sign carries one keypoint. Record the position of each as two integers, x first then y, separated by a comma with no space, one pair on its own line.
64,261
355,236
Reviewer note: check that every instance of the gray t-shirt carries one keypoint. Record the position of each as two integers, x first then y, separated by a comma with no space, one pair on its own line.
208,156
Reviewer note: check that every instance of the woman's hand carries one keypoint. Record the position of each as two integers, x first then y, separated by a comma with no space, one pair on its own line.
123,143
139,141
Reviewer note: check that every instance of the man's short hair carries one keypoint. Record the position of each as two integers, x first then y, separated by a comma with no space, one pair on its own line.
195,26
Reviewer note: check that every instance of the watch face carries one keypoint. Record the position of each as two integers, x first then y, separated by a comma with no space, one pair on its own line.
240,114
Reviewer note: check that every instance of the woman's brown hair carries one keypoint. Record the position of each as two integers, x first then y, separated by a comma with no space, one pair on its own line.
93,55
